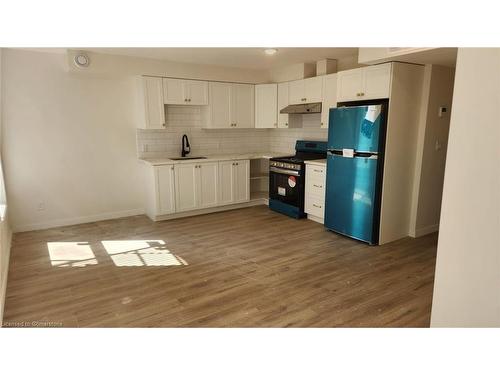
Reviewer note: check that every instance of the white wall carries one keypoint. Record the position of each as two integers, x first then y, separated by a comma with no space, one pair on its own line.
5,232
430,162
70,135
467,281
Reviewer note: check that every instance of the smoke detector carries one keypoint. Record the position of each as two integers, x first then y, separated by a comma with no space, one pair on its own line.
82,60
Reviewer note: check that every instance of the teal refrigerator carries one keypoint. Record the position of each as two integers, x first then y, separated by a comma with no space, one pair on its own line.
356,140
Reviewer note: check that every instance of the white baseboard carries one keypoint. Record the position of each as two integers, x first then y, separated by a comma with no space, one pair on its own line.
419,232
178,215
76,220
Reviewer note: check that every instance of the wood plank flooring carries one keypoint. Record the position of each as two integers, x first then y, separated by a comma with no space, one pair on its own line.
244,268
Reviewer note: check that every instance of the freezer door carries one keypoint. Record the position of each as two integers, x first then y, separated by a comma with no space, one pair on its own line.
356,128
350,197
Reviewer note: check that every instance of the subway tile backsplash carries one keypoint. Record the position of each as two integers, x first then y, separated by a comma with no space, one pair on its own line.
189,120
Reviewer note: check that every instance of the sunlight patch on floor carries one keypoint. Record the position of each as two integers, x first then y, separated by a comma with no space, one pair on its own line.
71,254
136,253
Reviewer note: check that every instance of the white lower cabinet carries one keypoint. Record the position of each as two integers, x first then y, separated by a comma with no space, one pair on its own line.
196,186
208,184
165,188
185,188
182,187
315,191
242,181
234,181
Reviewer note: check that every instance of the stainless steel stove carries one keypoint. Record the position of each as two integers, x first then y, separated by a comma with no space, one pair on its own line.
287,178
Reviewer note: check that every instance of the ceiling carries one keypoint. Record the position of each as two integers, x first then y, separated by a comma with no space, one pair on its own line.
248,58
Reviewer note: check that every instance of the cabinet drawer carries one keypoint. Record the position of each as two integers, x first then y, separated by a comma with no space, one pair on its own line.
314,206
315,188
315,172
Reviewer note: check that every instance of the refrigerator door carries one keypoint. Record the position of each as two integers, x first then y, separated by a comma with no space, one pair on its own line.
350,197
355,128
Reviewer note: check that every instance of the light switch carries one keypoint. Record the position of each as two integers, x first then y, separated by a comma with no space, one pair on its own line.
442,111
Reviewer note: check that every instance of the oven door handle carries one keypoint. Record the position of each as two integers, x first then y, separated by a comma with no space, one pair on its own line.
283,171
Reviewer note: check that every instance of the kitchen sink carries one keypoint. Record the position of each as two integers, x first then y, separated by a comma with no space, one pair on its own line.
189,158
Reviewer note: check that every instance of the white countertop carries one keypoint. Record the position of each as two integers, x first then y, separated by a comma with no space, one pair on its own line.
320,162
211,158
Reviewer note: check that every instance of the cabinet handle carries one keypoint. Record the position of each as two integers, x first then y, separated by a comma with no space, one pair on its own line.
286,123
362,94
315,205
318,186
172,168
318,170
189,100
185,100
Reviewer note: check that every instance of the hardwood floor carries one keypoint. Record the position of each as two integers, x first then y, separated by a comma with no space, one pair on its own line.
245,268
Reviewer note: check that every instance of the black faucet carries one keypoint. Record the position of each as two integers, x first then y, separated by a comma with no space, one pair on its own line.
185,145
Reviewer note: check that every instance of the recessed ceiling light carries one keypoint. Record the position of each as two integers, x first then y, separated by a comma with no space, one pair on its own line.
270,51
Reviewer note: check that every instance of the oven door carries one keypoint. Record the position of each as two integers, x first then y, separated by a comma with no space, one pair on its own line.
287,186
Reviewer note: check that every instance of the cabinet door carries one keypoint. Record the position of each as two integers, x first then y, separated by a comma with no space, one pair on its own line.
266,106
220,105
377,81
197,92
282,103
313,88
349,85
165,188
329,97
186,187
242,181
153,102
226,182
296,92
242,105
207,183
174,91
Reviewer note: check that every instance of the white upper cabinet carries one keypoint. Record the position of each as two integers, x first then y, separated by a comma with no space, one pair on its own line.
165,189
185,92
313,89
154,109
296,92
174,91
243,105
197,92
372,82
329,97
377,81
349,85
231,105
266,106
283,102
309,90
220,105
